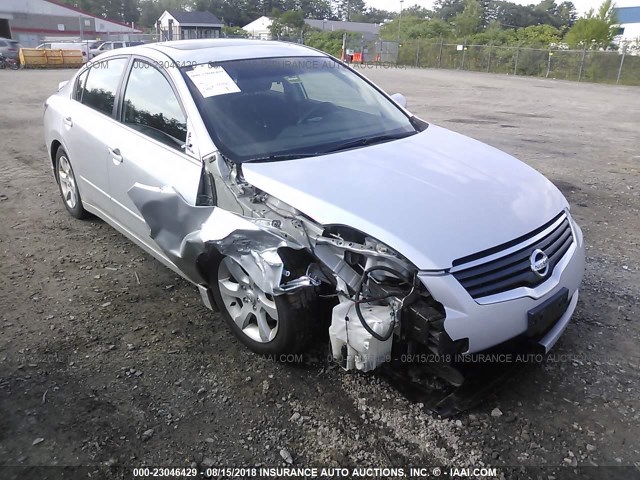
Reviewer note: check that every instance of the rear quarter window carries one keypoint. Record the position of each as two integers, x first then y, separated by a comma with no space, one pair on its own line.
80,84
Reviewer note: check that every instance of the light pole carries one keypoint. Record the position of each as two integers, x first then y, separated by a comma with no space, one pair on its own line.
400,20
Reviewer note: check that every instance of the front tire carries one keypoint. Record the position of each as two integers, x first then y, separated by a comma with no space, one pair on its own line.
68,186
268,325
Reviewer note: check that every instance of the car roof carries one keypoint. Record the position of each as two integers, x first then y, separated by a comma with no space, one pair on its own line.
223,49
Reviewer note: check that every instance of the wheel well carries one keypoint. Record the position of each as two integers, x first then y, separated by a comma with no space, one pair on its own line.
54,151
296,261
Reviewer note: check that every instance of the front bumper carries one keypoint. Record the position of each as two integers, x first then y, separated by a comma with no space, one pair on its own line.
494,320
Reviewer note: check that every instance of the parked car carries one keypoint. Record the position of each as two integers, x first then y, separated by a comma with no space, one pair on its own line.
107,46
299,197
82,46
10,48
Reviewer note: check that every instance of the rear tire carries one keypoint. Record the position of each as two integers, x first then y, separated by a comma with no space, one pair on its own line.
68,186
268,325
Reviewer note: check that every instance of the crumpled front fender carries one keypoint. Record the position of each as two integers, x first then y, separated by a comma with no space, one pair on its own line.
184,232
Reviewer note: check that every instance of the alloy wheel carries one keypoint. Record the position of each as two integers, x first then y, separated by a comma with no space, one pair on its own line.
252,310
67,182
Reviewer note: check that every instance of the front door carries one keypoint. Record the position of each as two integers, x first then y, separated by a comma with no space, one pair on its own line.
148,147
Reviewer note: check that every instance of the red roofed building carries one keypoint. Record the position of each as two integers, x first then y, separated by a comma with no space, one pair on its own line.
31,22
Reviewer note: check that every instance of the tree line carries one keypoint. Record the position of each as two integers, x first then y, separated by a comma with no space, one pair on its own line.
497,22
144,13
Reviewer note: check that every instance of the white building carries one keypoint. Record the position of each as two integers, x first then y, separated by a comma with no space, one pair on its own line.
31,21
175,25
628,37
259,29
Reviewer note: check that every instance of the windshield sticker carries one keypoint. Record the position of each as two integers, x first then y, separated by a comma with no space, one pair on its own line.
293,79
212,81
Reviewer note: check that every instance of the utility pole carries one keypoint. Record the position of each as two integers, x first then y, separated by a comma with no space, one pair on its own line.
584,53
549,64
624,52
464,53
344,47
400,21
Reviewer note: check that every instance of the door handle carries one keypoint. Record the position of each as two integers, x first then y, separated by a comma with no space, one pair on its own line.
68,121
116,156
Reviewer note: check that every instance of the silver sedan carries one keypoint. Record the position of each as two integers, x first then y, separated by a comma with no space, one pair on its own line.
300,199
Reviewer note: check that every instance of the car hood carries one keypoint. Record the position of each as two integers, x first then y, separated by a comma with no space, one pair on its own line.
434,197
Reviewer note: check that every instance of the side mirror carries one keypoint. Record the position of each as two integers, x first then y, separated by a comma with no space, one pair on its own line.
61,85
399,99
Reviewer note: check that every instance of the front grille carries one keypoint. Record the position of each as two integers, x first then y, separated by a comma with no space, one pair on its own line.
514,269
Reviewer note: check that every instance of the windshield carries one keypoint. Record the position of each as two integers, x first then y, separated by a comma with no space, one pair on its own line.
283,108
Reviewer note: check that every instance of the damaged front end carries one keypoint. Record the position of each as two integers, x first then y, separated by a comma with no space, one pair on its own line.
378,307
187,233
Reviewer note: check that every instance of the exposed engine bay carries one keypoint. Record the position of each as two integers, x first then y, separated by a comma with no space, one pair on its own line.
378,307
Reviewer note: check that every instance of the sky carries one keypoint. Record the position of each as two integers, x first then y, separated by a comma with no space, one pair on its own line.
582,6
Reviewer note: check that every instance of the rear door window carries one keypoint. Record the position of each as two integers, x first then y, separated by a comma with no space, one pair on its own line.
102,84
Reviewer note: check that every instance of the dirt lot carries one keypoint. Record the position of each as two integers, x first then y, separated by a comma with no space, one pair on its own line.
107,357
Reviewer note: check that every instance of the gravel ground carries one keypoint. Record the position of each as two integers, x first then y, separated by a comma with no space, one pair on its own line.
108,358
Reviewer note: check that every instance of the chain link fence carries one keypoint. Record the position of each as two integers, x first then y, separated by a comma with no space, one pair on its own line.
578,65
130,37
371,50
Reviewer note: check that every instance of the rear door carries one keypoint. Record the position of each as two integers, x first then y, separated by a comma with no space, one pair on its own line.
88,122
149,145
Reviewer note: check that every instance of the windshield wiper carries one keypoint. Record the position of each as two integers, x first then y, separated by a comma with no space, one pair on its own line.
280,157
363,142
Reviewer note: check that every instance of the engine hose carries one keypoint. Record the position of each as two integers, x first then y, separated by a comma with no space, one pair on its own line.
366,326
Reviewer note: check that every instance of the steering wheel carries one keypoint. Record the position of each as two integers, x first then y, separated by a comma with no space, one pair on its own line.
315,112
